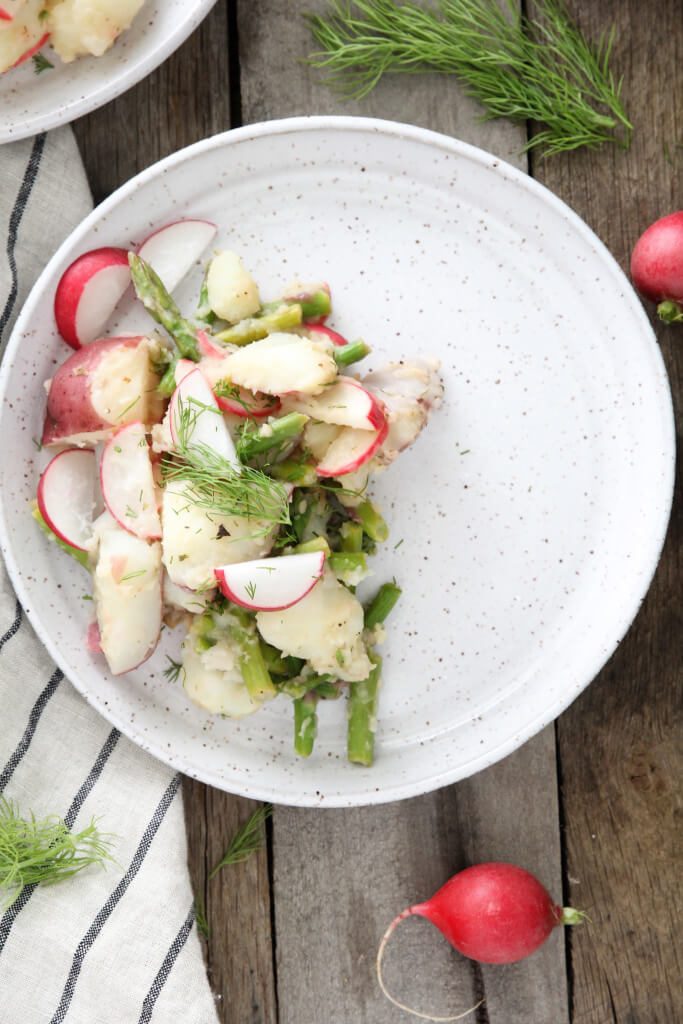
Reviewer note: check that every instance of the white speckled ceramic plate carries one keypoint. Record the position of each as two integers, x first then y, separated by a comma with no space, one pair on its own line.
31,103
527,520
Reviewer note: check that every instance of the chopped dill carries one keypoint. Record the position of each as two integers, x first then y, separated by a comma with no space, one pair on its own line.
247,840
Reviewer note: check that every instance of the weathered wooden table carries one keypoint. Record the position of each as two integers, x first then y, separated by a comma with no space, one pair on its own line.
589,805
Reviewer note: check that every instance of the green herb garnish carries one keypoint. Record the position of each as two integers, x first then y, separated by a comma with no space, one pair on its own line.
526,67
44,851
248,839
40,63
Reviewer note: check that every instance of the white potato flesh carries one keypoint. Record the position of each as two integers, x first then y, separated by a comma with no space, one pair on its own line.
213,680
194,544
282,363
233,294
409,391
184,599
80,27
21,34
128,596
325,628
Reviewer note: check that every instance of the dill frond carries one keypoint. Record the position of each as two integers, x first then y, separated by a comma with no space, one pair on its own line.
45,851
535,66
247,840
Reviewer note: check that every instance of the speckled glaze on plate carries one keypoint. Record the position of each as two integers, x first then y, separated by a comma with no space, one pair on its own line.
531,511
31,103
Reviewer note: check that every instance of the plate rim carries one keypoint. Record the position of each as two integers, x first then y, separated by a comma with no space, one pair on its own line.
401,790
112,87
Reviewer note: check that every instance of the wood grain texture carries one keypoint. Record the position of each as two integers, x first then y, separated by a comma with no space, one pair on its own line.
341,876
619,743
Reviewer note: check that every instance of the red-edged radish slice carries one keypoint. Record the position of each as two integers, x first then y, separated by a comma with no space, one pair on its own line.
346,403
93,640
194,414
66,496
208,348
10,8
127,482
321,329
173,250
182,368
88,292
271,584
248,404
350,450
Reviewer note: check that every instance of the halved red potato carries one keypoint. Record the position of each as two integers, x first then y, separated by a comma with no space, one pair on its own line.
101,387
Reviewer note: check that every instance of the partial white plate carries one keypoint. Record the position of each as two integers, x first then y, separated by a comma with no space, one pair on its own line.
531,511
32,103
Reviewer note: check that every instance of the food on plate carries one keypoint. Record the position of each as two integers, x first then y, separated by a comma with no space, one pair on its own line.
217,478
73,28
657,266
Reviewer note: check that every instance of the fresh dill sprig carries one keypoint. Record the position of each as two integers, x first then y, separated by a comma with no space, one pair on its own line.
40,62
44,851
214,484
200,917
535,66
247,840
174,669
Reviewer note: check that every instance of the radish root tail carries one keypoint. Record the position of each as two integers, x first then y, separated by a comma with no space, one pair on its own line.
402,1006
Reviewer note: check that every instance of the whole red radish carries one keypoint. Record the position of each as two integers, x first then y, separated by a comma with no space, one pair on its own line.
495,913
657,266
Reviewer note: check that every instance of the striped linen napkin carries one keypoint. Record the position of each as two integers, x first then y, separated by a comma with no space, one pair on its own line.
104,947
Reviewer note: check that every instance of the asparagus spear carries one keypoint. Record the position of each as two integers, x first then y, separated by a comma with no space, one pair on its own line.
291,471
363,700
161,307
314,301
255,440
252,664
382,603
305,724
372,522
344,355
256,327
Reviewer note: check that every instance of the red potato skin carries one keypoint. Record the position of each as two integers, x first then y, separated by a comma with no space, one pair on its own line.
72,283
495,913
69,409
657,260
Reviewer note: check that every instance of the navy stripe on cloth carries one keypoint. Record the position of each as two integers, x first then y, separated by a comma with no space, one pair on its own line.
11,914
109,907
18,614
30,175
33,719
166,967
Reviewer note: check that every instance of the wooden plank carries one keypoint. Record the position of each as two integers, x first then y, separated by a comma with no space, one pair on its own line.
620,742
341,875
184,100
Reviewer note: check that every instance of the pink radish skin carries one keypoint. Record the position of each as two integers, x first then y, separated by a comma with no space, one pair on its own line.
87,293
29,53
271,584
350,450
657,266
495,913
327,332
255,406
207,347
66,496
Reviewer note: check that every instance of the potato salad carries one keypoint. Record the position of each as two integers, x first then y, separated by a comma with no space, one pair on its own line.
72,28
212,474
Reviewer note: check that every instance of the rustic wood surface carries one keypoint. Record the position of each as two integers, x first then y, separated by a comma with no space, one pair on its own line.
588,805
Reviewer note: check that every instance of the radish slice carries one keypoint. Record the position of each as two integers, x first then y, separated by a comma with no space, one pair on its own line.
182,368
30,52
127,482
194,413
316,331
247,404
345,403
350,450
66,496
271,584
207,347
88,292
10,8
173,250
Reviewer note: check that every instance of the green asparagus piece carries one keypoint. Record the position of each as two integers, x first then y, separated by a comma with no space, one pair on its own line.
305,724
167,384
204,312
381,604
255,439
161,307
344,355
301,473
363,700
346,566
314,301
315,544
328,690
280,664
256,327
372,522
351,535
252,664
